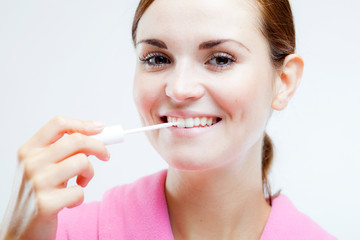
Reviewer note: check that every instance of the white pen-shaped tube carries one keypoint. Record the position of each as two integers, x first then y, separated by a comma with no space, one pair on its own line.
115,134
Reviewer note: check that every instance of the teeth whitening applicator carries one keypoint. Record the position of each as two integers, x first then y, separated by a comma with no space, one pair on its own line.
115,134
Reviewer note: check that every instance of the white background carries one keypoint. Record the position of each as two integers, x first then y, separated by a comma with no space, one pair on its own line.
75,58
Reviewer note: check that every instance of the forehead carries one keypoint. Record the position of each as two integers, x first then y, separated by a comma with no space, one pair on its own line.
199,20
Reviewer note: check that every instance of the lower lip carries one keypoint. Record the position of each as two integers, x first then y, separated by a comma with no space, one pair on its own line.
191,132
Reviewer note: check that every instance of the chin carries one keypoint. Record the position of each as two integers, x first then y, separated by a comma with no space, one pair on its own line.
191,163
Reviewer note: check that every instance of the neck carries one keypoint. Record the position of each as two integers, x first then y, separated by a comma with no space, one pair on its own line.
221,203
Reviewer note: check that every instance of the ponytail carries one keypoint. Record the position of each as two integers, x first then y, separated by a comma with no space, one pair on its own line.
267,158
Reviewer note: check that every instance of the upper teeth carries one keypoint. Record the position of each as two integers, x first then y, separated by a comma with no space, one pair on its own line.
192,122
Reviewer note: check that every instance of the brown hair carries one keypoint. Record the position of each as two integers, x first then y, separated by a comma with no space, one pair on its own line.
277,26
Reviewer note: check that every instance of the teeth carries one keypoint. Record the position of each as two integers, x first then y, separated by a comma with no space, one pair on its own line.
209,121
181,123
197,121
189,122
203,121
192,122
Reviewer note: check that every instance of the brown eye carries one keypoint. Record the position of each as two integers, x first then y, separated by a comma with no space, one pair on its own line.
158,60
221,60
155,60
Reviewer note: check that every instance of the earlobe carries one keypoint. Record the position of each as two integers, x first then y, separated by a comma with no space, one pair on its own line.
287,81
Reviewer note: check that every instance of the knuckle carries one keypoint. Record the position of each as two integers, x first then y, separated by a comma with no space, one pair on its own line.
79,162
103,148
43,206
91,168
82,156
91,172
59,121
77,196
40,200
83,161
22,153
79,193
37,182
29,168
78,138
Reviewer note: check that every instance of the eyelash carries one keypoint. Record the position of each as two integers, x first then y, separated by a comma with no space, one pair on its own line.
227,57
147,59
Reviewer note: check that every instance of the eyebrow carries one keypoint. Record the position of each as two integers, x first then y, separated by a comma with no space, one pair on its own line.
214,43
154,42
202,46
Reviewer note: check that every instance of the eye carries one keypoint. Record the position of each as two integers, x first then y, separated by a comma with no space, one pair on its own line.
221,60
155,60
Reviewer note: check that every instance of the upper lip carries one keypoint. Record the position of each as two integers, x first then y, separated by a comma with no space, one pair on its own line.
188,114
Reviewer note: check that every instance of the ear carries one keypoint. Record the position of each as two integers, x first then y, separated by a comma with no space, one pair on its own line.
287,81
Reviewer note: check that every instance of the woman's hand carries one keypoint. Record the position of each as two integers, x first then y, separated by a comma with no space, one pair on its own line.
46,163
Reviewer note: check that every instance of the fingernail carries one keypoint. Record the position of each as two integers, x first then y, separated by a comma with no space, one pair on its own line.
98,124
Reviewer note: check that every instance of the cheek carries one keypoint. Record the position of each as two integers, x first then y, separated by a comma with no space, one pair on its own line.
148,91
247,95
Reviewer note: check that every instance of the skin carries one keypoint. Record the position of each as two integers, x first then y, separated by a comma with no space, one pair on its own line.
213,187
46,163
232,78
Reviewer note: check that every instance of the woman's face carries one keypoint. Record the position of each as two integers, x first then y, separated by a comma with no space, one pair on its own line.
206,64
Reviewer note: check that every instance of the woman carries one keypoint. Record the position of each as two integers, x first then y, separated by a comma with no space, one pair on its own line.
219,68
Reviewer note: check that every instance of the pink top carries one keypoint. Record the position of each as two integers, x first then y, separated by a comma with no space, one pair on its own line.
139,211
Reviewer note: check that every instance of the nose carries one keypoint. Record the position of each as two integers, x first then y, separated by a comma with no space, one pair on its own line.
184,84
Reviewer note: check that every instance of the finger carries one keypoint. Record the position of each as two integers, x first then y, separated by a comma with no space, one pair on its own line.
51,202
62,149
58,126
85,177
71,145
77,165
58,174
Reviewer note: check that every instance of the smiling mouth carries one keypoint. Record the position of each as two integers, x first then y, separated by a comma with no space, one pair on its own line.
191,122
